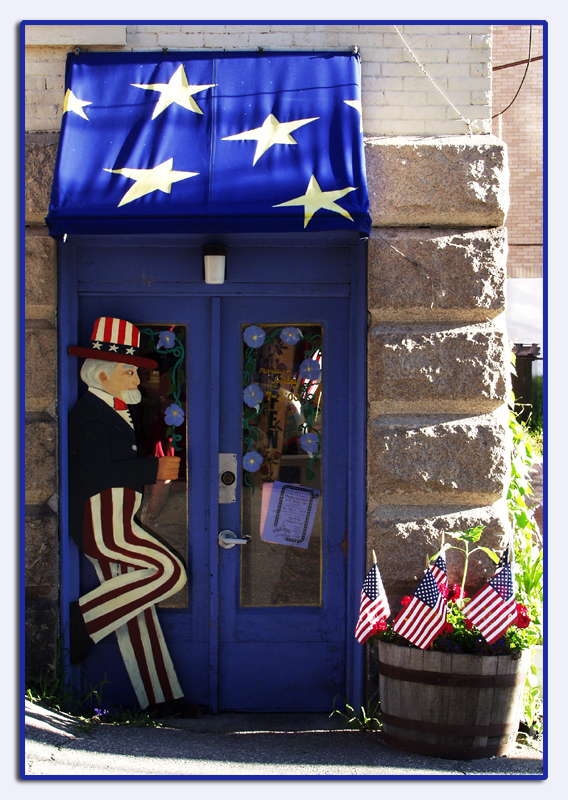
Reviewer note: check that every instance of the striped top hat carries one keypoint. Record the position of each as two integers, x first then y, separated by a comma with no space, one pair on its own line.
114,340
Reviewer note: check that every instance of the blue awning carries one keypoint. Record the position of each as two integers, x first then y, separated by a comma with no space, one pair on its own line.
199,142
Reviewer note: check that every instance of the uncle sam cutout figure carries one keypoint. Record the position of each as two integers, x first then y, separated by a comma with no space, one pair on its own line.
135,569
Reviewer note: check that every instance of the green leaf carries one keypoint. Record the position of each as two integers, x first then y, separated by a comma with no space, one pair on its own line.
473,534
492,555
470,535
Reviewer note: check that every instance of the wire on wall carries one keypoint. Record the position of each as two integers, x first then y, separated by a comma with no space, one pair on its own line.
433,82
523,79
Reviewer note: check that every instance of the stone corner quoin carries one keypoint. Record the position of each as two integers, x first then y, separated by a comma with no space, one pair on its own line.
457,181
437,353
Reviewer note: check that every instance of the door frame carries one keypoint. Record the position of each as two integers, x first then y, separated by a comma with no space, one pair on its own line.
68,299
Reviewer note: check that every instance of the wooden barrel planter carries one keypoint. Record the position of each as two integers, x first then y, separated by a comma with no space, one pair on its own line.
450,706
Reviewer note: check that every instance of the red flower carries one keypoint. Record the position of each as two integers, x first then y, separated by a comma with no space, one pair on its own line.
443,590
381,625
468,624
405,601
448,628
457,592
523,620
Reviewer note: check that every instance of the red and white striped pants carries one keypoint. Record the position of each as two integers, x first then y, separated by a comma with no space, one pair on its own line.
136,572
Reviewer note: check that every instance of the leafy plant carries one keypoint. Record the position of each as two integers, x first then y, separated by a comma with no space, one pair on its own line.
52,689
117,715
366,721
532,703
470,536
528,540
535,425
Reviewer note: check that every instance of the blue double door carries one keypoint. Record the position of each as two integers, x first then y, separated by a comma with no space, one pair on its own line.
261,511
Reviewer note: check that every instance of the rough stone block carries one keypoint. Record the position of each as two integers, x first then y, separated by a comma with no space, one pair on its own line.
41,631
41,459
41,360
40,152
455,181
436,274
403,538
431,368
41,271
42,554
432,459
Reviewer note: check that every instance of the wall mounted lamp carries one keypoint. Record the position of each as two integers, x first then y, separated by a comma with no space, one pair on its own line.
214,260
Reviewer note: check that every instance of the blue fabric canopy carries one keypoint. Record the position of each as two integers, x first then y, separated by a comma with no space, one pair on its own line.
198,142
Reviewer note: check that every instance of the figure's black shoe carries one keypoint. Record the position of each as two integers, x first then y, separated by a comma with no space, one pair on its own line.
179,709
79,639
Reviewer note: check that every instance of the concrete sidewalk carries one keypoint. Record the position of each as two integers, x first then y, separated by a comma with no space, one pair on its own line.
240,746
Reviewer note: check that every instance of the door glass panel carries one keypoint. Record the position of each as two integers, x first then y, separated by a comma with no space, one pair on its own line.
161,429
281,499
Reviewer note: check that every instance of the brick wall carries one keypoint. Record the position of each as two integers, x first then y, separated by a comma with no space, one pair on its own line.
397,97
521,128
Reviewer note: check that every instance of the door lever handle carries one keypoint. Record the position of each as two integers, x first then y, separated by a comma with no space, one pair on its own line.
228,539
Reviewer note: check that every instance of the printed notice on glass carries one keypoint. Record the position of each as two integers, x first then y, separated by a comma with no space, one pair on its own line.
290,515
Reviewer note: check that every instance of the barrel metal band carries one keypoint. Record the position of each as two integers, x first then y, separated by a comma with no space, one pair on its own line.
447,751
449,729
450,679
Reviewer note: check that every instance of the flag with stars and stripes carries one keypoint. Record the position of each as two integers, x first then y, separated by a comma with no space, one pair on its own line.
374,606
195,142
425,616
440,572
494,608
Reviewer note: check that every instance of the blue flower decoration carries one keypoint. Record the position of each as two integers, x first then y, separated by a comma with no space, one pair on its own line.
310,369
254,336
167,340
310,443
174,415
291,335
252,461
253,395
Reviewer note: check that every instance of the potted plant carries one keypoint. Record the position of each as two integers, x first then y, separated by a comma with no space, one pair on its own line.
452,671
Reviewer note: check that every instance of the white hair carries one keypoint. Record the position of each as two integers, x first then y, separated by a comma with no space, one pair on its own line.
92,368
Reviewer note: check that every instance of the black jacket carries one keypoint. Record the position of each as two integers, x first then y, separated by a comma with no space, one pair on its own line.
102,455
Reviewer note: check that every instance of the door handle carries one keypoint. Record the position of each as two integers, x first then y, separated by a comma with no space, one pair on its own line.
228,539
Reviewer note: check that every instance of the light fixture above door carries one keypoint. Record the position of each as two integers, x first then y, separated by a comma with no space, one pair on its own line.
214,263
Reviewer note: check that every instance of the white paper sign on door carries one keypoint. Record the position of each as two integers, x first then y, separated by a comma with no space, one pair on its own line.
290,515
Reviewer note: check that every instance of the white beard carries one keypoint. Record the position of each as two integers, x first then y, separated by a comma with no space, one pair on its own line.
131,397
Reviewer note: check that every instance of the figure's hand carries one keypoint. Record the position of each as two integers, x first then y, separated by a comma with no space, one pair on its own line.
168,468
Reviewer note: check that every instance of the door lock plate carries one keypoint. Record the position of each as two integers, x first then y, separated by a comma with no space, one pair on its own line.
227,478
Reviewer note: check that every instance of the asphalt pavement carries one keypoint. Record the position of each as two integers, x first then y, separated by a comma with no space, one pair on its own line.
240,746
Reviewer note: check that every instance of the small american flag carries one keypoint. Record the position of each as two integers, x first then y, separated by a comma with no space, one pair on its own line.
494,608
374,606
440,573
425,616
